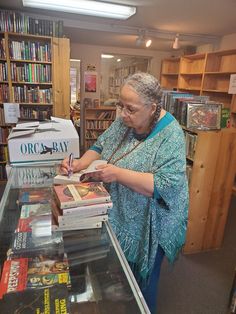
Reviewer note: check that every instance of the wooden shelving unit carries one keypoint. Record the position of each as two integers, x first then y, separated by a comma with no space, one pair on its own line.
96,121
30,75
170,72
213,169
213,166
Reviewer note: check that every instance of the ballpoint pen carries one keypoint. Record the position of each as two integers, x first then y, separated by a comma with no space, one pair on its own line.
70,171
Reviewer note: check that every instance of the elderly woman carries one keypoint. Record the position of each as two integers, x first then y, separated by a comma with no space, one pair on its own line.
145,151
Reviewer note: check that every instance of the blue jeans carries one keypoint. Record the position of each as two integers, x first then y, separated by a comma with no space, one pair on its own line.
150,293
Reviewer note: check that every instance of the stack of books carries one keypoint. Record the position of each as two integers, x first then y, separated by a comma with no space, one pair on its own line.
81,206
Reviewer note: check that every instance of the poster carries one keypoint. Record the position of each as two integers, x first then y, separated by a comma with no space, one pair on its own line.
90,80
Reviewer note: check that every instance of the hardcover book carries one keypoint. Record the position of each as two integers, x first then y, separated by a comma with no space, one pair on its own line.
73,195
48,300
24,273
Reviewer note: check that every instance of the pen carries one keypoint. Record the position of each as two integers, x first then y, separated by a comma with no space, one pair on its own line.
70,172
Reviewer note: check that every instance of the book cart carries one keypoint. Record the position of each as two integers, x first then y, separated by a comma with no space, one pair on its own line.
101,280
213,160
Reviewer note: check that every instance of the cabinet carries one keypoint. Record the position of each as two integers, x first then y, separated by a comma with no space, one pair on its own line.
96,121
101,280
213,161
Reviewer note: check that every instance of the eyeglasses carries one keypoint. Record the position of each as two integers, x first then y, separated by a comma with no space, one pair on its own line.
126,110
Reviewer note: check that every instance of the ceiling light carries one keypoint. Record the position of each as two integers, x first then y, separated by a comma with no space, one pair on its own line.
118,60
176,42
148,43
86,7
107,56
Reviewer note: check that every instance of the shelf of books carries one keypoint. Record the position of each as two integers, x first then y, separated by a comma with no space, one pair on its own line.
206,74
97,120
59,254
211,160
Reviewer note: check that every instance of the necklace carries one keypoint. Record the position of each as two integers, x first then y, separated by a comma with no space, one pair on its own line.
118,147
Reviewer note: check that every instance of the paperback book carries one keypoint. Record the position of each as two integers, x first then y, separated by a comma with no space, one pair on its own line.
86,211
24,273
48,300
73,195
25,243
39,226
32,210
89,174
35,195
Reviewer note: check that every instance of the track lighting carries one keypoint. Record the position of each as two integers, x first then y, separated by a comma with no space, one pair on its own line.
141,40
176,42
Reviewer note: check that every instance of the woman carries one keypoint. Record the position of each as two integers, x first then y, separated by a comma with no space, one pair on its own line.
145,150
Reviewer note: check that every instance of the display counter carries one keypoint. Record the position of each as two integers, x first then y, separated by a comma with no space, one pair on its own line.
101,280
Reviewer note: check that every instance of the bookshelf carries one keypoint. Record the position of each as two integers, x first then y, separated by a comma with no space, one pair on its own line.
212,162
169,73
31,72
206,74
96,121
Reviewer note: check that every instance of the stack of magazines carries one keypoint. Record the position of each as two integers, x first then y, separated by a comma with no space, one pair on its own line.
81,206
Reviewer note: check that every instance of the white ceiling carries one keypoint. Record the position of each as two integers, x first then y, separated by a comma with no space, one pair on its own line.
197,22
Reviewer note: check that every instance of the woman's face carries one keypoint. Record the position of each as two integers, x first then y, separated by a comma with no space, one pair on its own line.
133,112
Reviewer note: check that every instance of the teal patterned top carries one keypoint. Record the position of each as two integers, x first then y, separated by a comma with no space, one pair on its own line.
140,222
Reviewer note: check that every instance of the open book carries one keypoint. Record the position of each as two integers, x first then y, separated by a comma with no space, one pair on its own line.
86,175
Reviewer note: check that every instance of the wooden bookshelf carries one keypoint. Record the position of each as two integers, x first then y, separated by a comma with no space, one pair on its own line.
206,74
96,121
212,177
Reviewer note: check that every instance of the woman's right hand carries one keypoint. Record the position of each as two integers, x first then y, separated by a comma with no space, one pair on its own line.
65,168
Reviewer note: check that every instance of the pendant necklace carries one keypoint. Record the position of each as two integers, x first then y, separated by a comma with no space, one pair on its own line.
118,147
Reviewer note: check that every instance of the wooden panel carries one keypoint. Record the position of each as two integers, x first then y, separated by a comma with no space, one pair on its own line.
207,149
61,77
221,192
170,66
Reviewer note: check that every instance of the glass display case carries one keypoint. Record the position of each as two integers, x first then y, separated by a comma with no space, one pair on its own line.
100,278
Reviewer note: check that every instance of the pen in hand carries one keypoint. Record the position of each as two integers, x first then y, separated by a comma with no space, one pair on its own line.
70,171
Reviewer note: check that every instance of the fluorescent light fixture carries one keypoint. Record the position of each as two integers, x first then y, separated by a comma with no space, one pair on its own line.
104,56
148,43
176,42
86,7
75,60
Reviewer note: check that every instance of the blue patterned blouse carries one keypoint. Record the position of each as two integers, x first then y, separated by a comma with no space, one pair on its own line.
140,222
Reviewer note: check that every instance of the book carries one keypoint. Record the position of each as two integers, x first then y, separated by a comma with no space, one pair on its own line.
86,175
86,211
35,195
25,273
91,225
32,210
25,243
70,221
48,300
73,195
37,225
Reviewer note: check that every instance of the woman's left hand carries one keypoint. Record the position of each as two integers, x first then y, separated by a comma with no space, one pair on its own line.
109,173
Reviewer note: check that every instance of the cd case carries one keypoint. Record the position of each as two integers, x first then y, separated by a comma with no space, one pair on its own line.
204,116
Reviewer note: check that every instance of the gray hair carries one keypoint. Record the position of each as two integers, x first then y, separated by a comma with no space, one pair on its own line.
149,90
146,86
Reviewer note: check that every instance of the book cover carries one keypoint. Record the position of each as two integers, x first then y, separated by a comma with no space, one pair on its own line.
24,273
48,300
25,243
32,210
73,195
38,225
35,195
85,226
82,221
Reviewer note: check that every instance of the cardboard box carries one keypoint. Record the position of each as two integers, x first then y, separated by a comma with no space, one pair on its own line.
49,141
